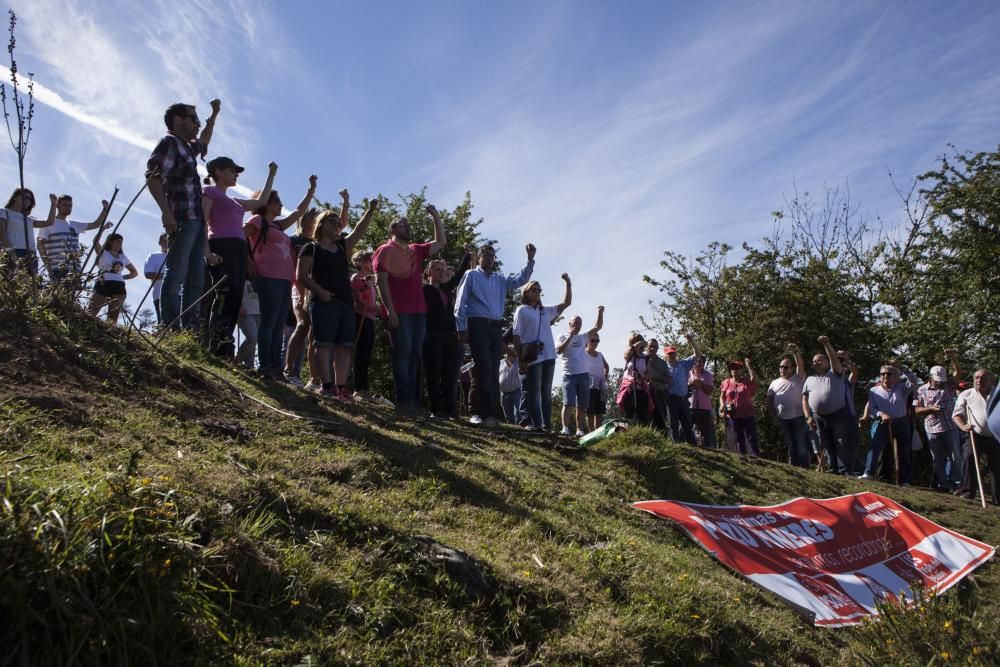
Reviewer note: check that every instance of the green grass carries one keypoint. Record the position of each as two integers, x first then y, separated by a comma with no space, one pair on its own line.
134,534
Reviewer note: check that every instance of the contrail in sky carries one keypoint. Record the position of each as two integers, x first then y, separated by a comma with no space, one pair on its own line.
54,100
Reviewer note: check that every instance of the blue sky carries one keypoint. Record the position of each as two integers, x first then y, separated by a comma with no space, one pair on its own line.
604,132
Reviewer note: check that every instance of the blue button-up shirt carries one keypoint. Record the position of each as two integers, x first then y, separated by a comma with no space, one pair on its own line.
679,376
482,294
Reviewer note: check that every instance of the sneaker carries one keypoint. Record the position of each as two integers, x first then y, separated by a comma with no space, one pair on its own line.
475,420
329,393
865,476
565,431
346,396
313,387
580,433
378,399
906,485
531,428
293,380
363,395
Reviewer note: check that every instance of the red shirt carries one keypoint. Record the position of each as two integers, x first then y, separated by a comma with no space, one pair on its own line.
364,296
740,396
404,267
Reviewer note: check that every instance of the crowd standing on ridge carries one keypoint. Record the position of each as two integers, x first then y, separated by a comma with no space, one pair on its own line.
309,303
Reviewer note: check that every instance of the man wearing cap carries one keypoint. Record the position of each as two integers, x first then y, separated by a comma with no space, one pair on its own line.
172,177
677,392
971,416
887,404
935,402
398,268
479,304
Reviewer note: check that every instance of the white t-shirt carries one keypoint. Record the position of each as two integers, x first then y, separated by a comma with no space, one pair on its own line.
528,327
62,241
787,396
154,264
595,366
510,376
251,303
576,350
15,229
971,405
112,267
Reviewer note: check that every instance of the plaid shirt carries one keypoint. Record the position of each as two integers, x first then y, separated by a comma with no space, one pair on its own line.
178,168
942,396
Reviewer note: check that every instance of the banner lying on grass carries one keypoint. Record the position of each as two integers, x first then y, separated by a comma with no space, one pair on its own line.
832,560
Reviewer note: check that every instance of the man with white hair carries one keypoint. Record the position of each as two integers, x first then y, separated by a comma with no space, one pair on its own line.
935,402
571,348
971,416
887,403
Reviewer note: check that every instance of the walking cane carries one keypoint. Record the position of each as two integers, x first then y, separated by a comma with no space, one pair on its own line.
979,475
895,450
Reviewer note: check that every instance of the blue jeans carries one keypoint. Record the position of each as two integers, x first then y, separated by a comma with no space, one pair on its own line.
794,430
407,347
183,274
510,400
901,431
540,393
275,297
946,447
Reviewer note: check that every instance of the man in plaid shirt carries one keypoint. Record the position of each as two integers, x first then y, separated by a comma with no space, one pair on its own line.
172,176
935,401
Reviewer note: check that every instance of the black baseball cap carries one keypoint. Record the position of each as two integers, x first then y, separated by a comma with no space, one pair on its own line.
223,163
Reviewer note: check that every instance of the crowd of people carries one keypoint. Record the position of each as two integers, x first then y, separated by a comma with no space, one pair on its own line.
307,304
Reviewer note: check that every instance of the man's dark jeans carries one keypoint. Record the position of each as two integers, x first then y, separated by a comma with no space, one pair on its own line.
486,344
680,418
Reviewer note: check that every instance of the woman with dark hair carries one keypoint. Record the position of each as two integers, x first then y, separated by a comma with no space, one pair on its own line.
323,269
536,350
110,286
272,269
736,403
227,247
16,225
441,343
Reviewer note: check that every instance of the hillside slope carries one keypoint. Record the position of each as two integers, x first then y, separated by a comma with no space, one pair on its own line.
153,514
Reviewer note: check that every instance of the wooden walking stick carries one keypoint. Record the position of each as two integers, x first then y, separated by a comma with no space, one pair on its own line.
895,450
975,461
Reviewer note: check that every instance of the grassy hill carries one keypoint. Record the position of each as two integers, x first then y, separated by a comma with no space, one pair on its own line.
154,514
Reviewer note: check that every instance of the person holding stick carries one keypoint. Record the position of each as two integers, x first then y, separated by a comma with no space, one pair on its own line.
887,402
970,416
174,184
935,403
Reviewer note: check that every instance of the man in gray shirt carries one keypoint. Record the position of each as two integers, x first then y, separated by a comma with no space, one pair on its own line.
825,406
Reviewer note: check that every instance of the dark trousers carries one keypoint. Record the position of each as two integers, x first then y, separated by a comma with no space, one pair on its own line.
636,406
680,418
899,430
746,436
705,424
794,432
228,295
486,344
363,350
987,448
834,437
441,371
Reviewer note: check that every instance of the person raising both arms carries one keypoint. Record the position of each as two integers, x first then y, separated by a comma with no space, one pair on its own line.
324,269
272,270
174,184
227,242
16,223
59,245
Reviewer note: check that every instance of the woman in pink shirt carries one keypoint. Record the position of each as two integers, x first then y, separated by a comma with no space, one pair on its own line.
227,246
272,270
736,403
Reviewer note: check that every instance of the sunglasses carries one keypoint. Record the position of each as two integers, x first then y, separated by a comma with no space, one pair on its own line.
783,367
887,374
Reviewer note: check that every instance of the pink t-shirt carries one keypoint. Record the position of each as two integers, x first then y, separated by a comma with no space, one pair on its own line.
740,395
272,255
700,399
404,269
225,221
364,296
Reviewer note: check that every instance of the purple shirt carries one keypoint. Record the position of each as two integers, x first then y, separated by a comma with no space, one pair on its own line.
225,220
701,400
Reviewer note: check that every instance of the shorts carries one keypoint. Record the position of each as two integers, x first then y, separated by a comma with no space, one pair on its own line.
110,288
576,389
597,405
332,323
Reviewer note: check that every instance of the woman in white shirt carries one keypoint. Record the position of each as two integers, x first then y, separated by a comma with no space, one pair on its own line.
536,350
110,286
17,225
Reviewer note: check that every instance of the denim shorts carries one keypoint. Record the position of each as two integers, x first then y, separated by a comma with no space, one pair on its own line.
576,390
332,323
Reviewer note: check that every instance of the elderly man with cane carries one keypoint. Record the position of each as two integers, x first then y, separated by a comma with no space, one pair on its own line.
970,416
887,402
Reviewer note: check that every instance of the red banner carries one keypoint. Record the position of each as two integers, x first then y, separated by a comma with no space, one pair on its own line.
833,559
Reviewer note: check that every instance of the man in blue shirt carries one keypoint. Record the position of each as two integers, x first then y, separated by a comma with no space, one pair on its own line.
479,321
677,392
